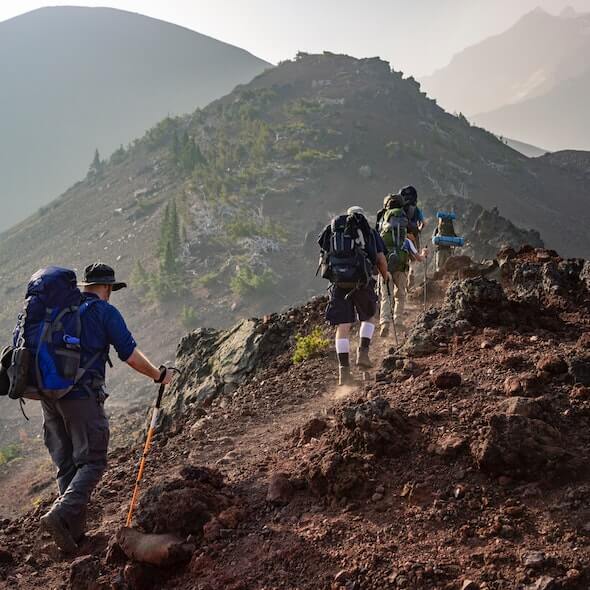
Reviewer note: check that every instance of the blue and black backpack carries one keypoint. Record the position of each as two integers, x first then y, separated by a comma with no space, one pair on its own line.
46,340
345,260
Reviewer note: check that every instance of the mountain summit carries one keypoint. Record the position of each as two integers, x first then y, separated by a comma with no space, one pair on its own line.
75,79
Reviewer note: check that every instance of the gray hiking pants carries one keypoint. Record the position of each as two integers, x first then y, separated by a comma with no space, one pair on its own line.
76,433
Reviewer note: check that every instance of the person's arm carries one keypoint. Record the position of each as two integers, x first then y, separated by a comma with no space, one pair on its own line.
143,365
382,265
411,250
420,218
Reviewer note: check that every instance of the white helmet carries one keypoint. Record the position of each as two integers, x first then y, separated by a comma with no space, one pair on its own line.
355,209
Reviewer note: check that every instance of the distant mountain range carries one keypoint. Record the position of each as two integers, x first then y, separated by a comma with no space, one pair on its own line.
75,79
532,151
531,82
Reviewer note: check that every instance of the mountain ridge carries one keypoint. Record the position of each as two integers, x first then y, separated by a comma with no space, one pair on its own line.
277,156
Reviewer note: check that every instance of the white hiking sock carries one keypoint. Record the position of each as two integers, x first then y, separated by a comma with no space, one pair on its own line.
342,345
367,330
342,351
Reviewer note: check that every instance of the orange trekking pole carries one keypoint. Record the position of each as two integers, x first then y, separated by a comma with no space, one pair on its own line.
146,450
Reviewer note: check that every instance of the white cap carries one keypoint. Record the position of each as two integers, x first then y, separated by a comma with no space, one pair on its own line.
355,209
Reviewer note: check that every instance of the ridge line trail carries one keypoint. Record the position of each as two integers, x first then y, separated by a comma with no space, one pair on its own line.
243,441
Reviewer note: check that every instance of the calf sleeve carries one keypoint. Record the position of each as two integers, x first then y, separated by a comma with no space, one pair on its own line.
366,333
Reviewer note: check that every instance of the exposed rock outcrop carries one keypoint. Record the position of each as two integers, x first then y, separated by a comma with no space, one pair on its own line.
215,362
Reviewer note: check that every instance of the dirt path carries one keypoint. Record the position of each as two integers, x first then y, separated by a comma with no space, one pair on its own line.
237,453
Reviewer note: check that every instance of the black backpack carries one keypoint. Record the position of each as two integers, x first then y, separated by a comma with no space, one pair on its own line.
346,263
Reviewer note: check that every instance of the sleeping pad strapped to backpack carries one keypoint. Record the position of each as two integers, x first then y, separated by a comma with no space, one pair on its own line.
46,340
346,263
394,230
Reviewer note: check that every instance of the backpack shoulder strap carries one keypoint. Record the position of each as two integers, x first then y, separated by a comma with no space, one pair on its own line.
87,304
84,307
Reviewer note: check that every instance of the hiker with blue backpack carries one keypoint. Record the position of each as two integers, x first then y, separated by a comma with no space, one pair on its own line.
351,253
400,242
445,239
59,355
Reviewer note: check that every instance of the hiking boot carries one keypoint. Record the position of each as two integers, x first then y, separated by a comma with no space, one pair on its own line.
55,526
78,527
344,376
362,359
384,331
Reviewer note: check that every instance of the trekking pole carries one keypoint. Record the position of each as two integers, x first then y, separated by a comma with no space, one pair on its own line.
146,450
391,311
425,281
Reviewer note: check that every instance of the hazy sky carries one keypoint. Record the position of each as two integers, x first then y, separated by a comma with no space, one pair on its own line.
416,36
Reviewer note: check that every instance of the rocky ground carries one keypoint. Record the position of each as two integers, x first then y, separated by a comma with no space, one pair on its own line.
462,464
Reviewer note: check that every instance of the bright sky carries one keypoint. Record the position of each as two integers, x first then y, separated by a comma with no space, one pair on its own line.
416,36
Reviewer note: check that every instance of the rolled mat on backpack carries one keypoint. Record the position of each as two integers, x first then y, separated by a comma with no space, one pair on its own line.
448,241
446,215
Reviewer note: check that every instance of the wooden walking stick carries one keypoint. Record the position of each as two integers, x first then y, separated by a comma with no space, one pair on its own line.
146,450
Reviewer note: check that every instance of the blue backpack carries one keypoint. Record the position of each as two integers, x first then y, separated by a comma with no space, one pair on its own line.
46,339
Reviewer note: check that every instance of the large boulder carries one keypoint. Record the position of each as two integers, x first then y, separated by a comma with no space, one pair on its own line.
518,446
549,280
215,362
182,504
475,301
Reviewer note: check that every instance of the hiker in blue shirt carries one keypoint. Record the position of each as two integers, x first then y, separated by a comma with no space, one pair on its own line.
75,427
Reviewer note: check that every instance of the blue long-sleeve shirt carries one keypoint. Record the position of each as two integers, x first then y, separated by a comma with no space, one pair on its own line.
103,326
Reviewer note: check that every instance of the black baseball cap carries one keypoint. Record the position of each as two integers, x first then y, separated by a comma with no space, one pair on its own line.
101,274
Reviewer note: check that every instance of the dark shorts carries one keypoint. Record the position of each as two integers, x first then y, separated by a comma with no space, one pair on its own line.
361,305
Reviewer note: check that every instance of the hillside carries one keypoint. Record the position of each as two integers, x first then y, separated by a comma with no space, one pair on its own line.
462,464
250,175
519,73
75,79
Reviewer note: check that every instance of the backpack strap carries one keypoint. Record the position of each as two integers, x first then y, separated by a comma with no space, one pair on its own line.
45,328
57,326
84,307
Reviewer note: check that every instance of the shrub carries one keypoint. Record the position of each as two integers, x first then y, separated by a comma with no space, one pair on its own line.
310,346
248,282
245,227
208,279
188,317
8,453
313,155
119,155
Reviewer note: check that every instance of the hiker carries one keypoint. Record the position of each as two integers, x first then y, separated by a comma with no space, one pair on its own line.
416,221
401,250
351,251
76,428
381,212
444,229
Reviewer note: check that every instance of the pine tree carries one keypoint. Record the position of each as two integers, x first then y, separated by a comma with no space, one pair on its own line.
174,230
175,148
139,277
164,230
97,164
